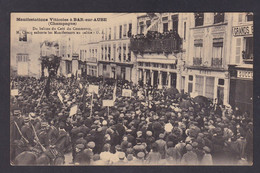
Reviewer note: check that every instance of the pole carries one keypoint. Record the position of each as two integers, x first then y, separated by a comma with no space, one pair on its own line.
91,108
108,111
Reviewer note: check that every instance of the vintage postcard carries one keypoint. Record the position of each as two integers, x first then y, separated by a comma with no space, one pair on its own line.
131,89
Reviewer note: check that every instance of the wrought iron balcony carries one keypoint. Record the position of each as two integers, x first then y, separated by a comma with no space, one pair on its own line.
247,56
156,43
197,61
216,62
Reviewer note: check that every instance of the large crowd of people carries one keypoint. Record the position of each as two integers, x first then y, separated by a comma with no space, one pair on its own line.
153,126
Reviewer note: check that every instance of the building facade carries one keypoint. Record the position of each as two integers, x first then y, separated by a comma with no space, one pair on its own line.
241,63
157,48
115,60
208,55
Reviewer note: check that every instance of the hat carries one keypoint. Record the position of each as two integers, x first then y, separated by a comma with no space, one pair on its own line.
104,123
130,157
44,124
91,144
26,119
118,147
99,129
80,134
140,155
128,130
207,149
161,136
194,144
188,147
121,155
149,133
80,146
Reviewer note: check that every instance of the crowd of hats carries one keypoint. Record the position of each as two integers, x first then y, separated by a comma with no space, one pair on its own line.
132,127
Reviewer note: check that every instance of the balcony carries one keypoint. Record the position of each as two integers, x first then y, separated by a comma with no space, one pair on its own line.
247,57
197,61
156,43
216,62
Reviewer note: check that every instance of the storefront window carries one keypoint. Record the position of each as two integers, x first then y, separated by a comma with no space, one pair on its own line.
199,85
209,92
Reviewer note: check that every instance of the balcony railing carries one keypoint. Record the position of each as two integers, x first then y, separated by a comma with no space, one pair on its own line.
247,56
216,62
197,61
156,43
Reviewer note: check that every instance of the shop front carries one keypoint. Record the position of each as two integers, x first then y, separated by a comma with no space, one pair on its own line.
241,87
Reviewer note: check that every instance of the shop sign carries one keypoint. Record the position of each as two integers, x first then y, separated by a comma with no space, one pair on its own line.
245,74
244,30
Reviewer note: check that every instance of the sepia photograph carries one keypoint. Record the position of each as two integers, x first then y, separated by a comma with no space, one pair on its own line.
131,89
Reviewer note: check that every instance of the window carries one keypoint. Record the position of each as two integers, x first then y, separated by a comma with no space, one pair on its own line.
199,85
190,78
141,24
140,64
109,52
104,67
221,81
124,31
156,65
218,17
217,52
124,52
184,32
120,31
123,72
114,51
198,45
109,34
130,30
248,52
164,18
115,32
175,23
147,64
165,27
249,17
148,23
209,90
102,52
199,19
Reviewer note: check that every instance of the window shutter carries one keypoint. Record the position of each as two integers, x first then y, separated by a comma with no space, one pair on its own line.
238,50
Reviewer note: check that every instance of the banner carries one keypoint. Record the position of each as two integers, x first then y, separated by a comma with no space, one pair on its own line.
14,92
127,92
73,110
93,88
108,103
